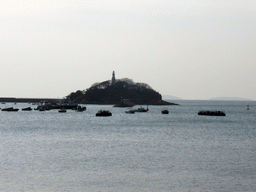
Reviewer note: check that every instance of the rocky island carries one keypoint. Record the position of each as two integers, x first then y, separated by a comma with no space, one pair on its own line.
119,92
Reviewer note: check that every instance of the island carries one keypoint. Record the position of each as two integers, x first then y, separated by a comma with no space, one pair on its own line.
119,92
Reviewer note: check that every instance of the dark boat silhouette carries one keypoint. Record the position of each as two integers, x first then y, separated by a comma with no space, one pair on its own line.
80,108
27,109
10,109
141,109
130,111
41,109
165,111
62,110
103,113
212,113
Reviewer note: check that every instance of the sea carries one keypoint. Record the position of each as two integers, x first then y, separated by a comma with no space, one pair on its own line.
180,151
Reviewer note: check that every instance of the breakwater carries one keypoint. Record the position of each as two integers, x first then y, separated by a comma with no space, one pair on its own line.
27,100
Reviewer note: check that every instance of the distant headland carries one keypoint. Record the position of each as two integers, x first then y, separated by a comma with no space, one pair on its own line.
119,92
230,99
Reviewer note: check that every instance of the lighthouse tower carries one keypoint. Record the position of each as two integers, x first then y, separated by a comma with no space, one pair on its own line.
113,80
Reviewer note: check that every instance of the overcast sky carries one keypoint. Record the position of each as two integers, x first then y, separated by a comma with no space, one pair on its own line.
192,49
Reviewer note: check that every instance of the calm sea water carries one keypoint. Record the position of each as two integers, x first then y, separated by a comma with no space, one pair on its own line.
181,151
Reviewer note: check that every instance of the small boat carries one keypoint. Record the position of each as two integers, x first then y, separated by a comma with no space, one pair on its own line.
165,111
10,109
15,109
141,109
103,113
248,107
41,109
212,113
130,111
80,108
27,109
7,109
62,110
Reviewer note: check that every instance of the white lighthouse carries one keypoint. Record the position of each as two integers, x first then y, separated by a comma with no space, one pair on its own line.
113,81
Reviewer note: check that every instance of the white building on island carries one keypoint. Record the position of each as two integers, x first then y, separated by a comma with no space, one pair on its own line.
113,80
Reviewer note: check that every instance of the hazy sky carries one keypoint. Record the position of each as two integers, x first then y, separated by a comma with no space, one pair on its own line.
193,49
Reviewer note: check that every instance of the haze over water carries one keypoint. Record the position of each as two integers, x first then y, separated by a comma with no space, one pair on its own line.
181,151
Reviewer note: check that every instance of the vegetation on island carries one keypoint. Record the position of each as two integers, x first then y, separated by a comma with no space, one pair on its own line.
123,90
